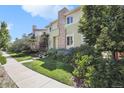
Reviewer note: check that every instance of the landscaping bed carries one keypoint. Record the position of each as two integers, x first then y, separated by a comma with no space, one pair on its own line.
57,70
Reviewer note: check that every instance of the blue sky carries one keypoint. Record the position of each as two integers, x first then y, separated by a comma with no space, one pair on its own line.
21,18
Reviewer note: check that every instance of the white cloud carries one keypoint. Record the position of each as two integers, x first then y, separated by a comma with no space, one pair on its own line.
9,26
47,12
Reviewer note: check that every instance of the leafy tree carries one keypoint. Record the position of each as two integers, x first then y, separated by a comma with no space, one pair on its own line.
91,22
4,35
103,27
31,41
111,37
44,42
21,45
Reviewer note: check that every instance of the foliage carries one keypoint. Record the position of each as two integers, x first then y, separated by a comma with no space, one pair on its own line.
91,21
52,53
108,73
21,56
2,60
97,72
4,36
44,42
21,45
102,27
83,71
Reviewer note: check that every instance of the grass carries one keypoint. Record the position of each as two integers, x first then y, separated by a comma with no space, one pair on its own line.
54,69
20,56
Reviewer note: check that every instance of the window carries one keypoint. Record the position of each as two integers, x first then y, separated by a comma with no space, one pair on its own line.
69,40
69,20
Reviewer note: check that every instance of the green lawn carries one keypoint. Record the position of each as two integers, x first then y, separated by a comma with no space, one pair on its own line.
20,56
54,69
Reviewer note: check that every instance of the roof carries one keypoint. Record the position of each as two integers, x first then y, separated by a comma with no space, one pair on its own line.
51,23
39,29
72,11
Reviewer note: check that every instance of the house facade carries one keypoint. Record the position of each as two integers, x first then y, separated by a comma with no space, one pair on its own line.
63,32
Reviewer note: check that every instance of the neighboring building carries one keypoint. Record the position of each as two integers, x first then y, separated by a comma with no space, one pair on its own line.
63,32
37,34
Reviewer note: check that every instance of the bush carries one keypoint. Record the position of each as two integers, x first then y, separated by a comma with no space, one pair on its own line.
2,60
82,50
98,72
108,74
69,55
83,70
52,53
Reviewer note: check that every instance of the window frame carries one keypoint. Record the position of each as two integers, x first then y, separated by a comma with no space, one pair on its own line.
69,20
70,43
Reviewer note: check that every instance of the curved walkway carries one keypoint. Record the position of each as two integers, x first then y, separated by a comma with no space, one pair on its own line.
26,78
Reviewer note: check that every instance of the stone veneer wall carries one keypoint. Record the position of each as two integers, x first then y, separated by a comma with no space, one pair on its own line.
62,32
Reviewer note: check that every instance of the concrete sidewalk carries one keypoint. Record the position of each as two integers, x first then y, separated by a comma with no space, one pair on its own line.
26,78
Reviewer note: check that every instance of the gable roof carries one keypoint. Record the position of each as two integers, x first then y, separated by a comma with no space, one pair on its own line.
72,11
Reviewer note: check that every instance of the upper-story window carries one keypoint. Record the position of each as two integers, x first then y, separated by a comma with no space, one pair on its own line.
69,19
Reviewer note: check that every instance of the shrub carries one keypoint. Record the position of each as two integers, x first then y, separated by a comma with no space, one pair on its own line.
97,72
83,70
69,55
82,50
52,53
108,74
2,60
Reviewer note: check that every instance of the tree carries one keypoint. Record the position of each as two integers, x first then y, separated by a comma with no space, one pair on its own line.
44,42
111,37
91,22
103,27
4,36
21,45
31,41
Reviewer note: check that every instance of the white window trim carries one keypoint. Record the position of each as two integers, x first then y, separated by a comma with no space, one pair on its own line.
69,46
69,20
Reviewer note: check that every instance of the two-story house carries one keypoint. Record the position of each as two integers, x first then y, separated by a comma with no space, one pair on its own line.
63,32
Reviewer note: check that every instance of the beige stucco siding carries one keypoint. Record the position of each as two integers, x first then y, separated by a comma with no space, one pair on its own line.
60,30
73,30
51,42
54,26
52,34
76,17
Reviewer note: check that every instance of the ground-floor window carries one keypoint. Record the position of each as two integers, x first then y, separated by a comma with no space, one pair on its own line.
69,40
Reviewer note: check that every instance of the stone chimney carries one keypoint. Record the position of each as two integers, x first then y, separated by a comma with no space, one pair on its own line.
61,24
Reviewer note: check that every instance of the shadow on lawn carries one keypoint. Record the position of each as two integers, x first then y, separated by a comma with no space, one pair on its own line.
54,64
